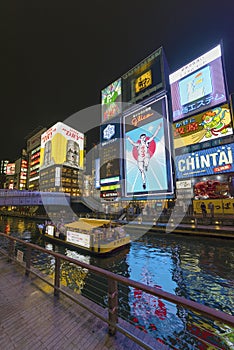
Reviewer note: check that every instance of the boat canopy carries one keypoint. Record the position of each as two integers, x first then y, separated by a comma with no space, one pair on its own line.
86,224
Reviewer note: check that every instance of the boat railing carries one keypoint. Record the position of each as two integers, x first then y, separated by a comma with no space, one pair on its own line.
9,246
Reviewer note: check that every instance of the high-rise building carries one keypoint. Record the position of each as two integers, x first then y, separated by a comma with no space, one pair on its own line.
33,150
21,171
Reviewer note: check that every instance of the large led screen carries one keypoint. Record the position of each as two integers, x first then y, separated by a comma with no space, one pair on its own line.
147,150
145,79
212,124
211,161
111,100
199,85
62,145
110,159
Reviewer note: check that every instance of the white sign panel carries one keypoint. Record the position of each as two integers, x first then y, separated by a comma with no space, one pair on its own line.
78,238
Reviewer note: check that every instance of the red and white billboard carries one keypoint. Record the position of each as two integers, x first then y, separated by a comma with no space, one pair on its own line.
148,167
10,169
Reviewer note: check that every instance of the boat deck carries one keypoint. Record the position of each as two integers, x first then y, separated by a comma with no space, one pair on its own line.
32,318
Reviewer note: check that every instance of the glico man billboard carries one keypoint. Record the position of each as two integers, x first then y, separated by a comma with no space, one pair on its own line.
62,145
148,169
199,85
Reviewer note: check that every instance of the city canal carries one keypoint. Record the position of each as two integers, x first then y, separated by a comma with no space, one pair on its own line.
197,268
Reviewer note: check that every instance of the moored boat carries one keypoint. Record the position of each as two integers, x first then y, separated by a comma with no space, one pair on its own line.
96,236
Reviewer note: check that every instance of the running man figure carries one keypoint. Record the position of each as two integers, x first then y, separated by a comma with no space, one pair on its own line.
143,154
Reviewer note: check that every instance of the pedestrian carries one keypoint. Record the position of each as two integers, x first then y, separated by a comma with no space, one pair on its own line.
211,207
203,209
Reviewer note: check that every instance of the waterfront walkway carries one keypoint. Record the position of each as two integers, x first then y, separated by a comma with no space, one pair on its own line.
31,318
211,230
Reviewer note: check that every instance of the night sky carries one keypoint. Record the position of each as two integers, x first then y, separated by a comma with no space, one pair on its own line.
56,56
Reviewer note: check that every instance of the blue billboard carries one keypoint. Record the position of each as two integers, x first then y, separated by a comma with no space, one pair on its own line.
210,161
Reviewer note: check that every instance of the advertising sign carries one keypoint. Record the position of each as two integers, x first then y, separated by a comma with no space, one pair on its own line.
111,98
35,140
184,184
145,79
206,126
198,85
147,150
110,158
78,238
211,161
10,169
62,145
97,173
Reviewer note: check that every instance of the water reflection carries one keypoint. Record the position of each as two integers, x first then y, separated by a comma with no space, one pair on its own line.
197,268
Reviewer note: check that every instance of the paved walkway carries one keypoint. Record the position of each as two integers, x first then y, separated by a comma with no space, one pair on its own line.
31,318
222,231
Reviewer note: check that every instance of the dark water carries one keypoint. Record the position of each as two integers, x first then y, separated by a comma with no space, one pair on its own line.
197,268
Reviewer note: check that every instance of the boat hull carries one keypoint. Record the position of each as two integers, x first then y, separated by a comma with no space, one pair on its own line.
97,249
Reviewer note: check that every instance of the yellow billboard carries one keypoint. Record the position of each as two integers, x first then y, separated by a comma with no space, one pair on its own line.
62,145
143,81
221,206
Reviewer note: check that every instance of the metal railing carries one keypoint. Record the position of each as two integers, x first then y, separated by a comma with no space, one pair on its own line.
113,282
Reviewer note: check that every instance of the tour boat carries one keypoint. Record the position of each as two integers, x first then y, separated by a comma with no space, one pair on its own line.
96,236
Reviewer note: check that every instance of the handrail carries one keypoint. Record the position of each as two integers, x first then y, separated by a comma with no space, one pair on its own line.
113,279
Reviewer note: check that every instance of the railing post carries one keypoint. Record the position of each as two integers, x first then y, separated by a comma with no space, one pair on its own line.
28,260
112,305
11,249
57,277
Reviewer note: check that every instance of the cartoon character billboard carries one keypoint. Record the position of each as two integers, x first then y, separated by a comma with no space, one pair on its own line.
62,145
199,85
209,125
148,169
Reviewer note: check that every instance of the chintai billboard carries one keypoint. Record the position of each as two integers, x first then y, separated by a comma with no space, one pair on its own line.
211,161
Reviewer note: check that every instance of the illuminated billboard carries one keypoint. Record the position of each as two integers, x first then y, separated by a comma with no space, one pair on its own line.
211,161
111,98
10,169
148,169
146,78
97,173
206,126
110,159
199,85
62,145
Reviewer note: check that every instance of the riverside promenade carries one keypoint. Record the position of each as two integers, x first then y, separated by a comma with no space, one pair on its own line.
32,318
